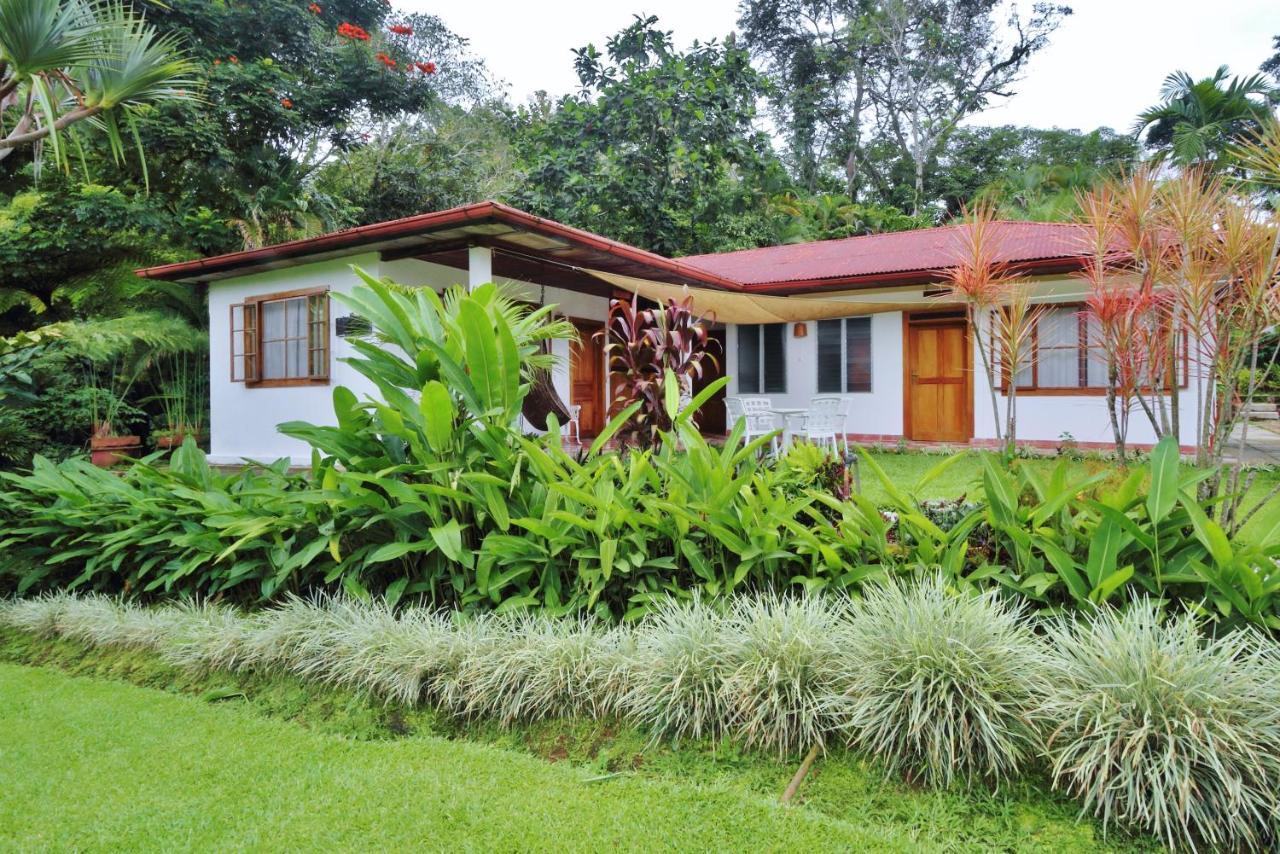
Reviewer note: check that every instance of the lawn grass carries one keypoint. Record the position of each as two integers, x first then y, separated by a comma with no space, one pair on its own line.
179,760
963,478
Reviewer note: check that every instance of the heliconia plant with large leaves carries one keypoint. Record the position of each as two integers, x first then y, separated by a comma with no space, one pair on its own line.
429,489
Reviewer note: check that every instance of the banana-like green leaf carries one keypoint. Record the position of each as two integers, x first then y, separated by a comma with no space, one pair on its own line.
1163,493
438,415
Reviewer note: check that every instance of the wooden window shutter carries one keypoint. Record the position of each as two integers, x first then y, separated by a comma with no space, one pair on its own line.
244,342
318,336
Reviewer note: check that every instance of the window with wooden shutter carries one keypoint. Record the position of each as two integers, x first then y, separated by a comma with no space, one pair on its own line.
281,339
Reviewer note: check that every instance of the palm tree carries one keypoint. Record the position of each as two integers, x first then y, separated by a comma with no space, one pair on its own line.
85,63
1198,121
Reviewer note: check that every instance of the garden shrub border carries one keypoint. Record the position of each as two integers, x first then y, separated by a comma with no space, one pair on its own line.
516,669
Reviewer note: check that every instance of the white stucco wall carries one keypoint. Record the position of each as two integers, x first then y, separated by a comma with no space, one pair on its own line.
243,418
1042,418
878,411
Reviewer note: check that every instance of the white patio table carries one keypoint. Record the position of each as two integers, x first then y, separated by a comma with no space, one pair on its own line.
789,414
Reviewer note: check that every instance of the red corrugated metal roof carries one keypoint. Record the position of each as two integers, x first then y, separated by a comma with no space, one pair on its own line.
900,258
878,256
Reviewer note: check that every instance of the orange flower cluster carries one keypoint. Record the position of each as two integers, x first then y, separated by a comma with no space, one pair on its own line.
401,30
425,67
351,31
315,9
385,60
286,103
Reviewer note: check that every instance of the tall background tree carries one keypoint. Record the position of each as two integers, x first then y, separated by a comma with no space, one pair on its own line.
659,149
870,92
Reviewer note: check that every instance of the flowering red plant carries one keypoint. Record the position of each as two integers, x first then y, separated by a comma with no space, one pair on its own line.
385,60
351,31
315,9
286,103
401,30
425,67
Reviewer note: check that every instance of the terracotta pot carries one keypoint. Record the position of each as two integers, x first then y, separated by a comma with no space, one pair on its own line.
107,451
175,439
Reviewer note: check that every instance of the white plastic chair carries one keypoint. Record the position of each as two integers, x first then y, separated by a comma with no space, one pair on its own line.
759,416
824,423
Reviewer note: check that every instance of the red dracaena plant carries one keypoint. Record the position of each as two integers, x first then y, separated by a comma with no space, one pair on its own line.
999,309
643,344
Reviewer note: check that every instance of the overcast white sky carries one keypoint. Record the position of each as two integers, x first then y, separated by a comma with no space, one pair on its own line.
1104,64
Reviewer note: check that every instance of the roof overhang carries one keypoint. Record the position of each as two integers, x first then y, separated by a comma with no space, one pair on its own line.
526,247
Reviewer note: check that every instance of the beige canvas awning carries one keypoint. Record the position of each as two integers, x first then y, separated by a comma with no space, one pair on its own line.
730,307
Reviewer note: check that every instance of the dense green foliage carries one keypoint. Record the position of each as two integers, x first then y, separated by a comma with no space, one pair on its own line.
428,490
1199,122
658,150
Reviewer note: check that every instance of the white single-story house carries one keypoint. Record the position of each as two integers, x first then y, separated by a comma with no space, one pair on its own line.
862,317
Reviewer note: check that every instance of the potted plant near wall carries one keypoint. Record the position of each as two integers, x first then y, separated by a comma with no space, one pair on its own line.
183,380
109,382
106,446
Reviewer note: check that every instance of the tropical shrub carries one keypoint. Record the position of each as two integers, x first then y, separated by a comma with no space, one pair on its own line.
646,348
782,666
428,490
1080,543
1153,724
180,529
680,662
941,687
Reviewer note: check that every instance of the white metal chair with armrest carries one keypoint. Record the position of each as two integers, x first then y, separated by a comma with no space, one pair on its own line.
758,414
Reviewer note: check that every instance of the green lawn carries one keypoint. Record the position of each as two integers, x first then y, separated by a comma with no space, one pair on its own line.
94,764
90,762
962,479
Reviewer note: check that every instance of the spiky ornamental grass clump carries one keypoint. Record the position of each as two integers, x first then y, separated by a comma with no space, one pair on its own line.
1160,727
941,687
105,621
677,671
209,636
782,652
549,667
38,616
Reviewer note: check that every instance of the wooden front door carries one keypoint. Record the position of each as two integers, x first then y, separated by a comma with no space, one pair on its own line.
712,417
939,371
586,377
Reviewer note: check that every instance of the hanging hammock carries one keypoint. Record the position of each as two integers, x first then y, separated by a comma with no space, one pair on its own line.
543,400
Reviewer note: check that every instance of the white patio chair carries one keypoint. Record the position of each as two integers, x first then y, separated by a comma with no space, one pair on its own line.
824,423
571,427
759,416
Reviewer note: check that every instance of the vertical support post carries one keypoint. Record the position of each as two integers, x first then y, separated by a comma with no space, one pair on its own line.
479,266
